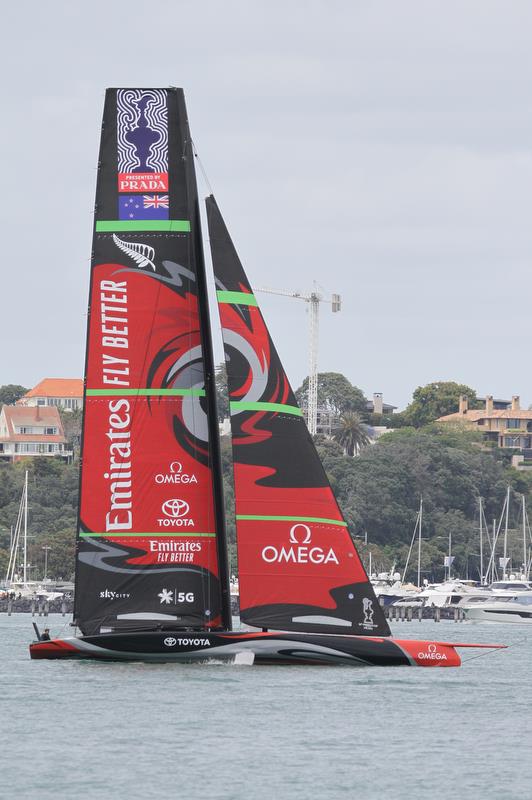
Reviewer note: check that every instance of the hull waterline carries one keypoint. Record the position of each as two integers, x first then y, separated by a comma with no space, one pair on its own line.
520,616
256,647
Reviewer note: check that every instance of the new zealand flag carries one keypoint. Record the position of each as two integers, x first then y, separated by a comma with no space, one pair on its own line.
143,206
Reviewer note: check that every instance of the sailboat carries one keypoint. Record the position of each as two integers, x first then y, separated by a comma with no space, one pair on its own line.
152,578
17,584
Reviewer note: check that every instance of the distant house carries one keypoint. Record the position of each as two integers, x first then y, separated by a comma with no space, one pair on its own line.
507,426
378,406
65,393
31,431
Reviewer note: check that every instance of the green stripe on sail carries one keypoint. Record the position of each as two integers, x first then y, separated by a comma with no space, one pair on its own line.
293,519
124,225
274,408
238,298
125,392
129,535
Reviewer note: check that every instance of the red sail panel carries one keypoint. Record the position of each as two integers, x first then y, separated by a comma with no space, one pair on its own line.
298,566
147,549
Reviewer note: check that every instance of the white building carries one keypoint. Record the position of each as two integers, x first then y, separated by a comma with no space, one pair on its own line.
31,431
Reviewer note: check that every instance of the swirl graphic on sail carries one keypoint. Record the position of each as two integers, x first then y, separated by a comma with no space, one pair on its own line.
298,565
146,529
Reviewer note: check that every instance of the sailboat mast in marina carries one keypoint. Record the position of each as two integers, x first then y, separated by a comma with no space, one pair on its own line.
19,542
152,570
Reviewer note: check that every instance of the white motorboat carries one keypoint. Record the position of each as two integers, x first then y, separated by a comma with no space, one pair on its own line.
512,586
449,593
499,608
32,590
389,588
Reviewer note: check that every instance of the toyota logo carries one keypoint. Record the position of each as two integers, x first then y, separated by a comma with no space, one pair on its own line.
170,641
175,508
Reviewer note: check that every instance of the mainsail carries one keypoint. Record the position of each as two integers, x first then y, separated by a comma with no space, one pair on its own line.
298,566
151,547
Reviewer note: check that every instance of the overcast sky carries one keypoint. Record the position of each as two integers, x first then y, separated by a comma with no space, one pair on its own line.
382,149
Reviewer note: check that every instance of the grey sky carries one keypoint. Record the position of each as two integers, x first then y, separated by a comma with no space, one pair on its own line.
382,149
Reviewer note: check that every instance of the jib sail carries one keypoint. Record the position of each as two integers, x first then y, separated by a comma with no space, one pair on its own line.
150,541
298,566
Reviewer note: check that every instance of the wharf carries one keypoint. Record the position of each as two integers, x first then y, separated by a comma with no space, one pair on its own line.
435,613
64,606
36,607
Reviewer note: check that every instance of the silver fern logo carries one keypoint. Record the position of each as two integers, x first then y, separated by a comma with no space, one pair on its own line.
142,254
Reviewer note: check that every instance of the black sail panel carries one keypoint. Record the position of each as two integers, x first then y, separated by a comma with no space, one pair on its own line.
298,566
149,526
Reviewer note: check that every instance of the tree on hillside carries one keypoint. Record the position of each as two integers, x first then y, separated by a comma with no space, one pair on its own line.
335,393
10,393
435,400
351,433
72,422
379,491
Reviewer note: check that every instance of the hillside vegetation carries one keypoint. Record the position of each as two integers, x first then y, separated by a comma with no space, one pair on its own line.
378,491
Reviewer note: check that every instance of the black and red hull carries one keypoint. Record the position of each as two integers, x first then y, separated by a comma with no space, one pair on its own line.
252,647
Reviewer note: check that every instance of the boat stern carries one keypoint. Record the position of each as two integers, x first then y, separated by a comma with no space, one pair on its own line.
437,654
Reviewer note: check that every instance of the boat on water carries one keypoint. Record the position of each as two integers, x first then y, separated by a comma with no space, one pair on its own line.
449,593
152,577
442,595
516,608
17,583
511,586
389,588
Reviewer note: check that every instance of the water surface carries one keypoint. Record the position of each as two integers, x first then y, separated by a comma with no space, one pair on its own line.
133,730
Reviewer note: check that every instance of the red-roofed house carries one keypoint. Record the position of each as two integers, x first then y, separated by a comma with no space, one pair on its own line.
64,392
31,431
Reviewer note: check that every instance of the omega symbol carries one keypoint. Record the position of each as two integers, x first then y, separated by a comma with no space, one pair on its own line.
306,535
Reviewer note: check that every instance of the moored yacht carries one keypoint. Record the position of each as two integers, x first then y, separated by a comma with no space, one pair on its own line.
500,608
511,586
389,588
449,593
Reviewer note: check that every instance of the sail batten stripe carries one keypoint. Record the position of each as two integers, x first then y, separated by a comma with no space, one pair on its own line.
146,392
243,405
124,225
271,518
237,298
128,535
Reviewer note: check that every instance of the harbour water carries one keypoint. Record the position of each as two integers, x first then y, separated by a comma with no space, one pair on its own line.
98,730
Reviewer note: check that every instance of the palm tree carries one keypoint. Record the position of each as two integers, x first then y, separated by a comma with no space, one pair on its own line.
351,433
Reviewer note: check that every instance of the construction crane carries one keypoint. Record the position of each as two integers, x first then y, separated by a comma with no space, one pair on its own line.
313,299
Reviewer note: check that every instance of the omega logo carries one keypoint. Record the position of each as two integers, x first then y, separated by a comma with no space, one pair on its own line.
298,552
175,474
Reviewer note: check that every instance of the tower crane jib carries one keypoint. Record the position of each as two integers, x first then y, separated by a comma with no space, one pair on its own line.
313,299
